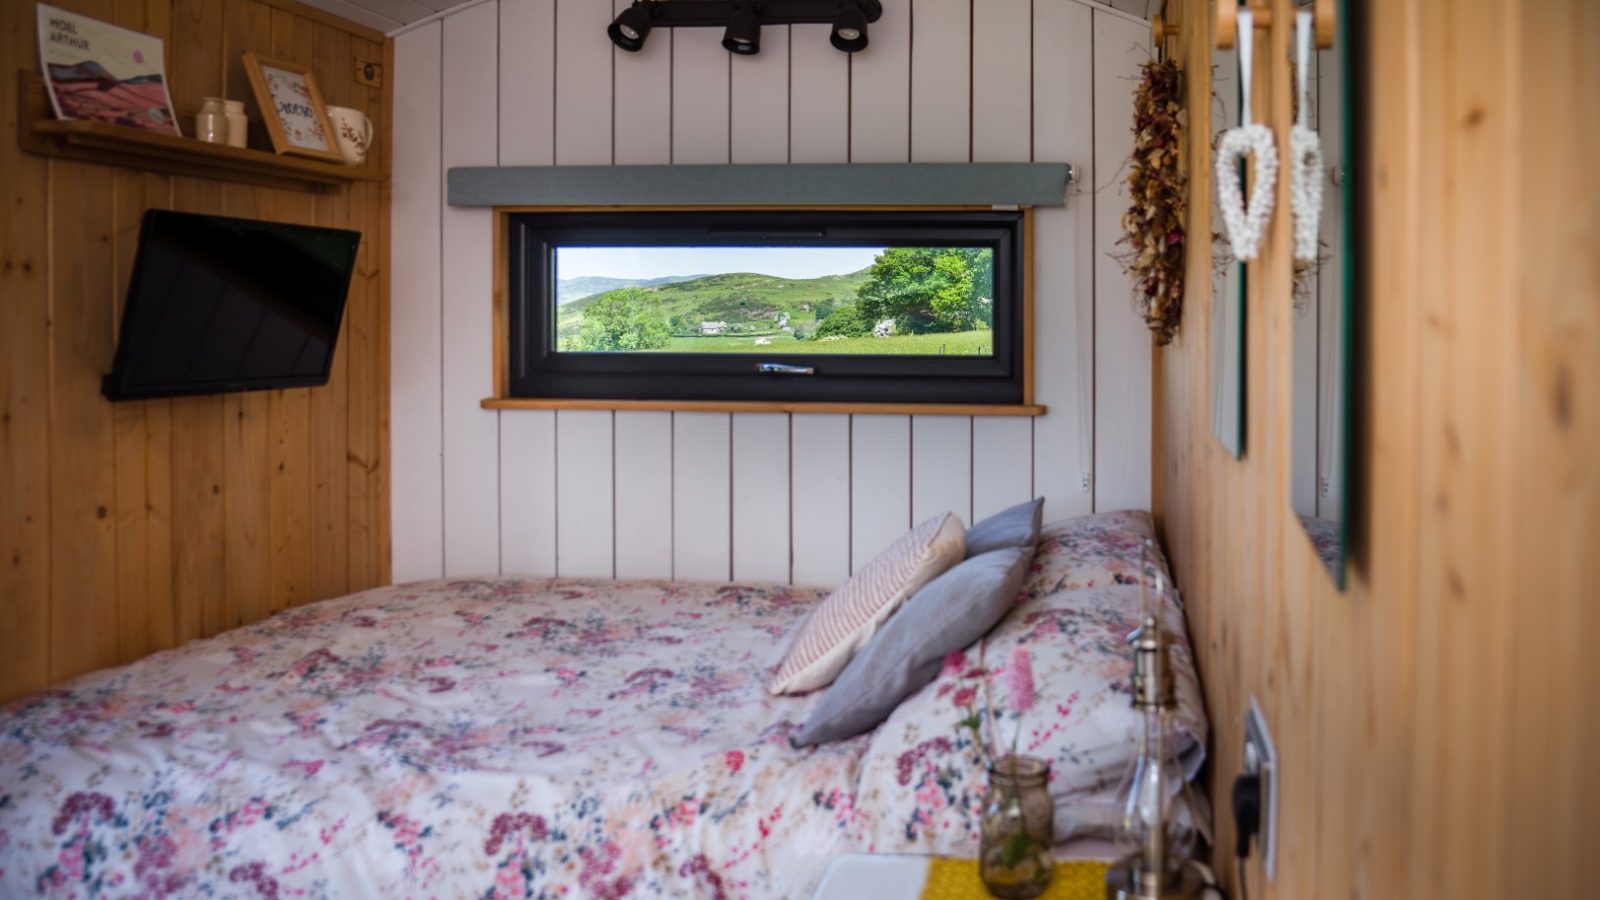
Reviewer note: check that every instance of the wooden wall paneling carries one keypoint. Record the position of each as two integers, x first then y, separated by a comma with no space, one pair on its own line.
1002,463
701,104
644,485
24,389
880,484
417,193
941,80
1003,59
758,100
583,83
880,91
527,137
940,96
1554,782
527,60
1063,262
366,409
289,410
528,493
941,466
471,433
641,114
1122,343
641,117
246,458
584,494
330,521
246,26
82,472
194,63
761,495
820,472
819,97
702,484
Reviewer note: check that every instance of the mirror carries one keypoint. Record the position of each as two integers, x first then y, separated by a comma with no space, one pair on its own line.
1228,278
1319,487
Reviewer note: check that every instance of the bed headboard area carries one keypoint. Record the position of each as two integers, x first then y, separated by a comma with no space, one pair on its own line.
717,495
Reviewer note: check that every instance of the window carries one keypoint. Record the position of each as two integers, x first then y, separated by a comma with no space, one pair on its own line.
788,306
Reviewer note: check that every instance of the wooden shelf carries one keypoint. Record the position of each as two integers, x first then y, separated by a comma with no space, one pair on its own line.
115,145
766,406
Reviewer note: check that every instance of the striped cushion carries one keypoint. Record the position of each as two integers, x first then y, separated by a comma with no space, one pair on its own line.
844,622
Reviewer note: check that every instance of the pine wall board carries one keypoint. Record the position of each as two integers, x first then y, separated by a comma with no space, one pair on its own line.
131,527
1435,722
801,498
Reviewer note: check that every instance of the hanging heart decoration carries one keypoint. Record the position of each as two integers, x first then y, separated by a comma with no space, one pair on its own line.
1305,190
1306,163
1246,226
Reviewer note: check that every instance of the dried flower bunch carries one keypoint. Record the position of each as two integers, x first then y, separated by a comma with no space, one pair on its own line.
1153,225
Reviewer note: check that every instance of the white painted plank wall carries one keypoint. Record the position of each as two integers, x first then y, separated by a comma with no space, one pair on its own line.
805,498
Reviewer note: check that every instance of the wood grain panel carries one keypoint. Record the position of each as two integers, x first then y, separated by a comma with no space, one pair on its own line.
644,494
941,80
761,492
880,484
819,97
880,91
582,83
641,105
1433,719
758,101
585,528
130,527
528,493
471,435
941,467
527,60
701,73
1063,307
820,529
416,374
702,484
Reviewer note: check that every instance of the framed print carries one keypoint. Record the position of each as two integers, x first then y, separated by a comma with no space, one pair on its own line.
98,71
292,107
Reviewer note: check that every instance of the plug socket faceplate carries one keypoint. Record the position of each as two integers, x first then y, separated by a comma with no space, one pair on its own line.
1261,758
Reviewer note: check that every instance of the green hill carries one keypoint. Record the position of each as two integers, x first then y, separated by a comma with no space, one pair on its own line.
755,302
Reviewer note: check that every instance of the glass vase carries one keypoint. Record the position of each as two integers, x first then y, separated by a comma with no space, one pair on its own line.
1018,828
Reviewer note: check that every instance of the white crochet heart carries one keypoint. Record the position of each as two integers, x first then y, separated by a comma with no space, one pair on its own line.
1246,226
1305,189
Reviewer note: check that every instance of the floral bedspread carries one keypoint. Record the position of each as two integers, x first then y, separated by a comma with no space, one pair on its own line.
510,737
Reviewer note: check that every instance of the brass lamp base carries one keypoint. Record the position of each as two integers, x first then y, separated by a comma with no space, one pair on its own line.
1123,882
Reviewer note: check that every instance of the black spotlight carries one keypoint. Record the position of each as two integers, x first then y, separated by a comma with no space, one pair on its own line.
744,31
631,26
849,29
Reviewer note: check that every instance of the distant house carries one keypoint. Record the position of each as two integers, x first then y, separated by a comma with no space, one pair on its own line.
712,327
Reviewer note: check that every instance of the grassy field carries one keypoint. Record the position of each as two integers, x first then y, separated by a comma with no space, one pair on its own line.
964,343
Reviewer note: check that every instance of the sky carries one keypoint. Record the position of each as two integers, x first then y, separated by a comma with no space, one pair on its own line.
655,262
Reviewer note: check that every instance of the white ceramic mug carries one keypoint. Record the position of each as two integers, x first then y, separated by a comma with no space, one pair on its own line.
353,130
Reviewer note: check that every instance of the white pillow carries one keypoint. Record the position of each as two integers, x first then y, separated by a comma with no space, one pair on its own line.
843,623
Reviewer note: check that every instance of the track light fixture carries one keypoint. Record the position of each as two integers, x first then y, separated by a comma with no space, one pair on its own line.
631,26
743,35
849,28
741,20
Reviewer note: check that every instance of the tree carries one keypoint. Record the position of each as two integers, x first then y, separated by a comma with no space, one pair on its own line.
681,324
622,320
927,289
825,308
846,321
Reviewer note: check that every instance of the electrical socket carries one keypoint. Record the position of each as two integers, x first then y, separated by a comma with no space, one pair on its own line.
1261,759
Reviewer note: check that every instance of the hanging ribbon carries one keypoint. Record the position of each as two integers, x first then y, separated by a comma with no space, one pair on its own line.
1305,173
1246,226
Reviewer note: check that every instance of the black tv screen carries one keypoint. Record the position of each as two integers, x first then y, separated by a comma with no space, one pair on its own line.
219,304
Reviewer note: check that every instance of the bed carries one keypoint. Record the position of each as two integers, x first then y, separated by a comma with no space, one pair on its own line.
515,737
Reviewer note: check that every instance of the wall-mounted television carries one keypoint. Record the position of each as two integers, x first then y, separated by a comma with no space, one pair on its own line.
219,304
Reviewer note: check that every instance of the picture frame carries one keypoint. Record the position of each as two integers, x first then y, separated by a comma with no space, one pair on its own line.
292,108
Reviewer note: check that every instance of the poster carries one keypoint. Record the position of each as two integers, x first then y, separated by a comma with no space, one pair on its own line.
96,70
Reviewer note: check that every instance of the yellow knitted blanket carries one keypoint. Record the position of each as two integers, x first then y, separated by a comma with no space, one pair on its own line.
957,879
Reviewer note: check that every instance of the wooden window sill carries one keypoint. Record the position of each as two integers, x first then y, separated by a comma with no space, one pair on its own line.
767,406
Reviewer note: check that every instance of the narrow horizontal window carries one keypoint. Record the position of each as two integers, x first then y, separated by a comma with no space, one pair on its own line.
785,306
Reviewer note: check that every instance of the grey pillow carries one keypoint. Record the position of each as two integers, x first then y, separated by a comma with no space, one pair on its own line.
949,613
1014,527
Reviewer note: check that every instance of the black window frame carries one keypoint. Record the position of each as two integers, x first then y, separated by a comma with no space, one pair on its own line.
538,370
